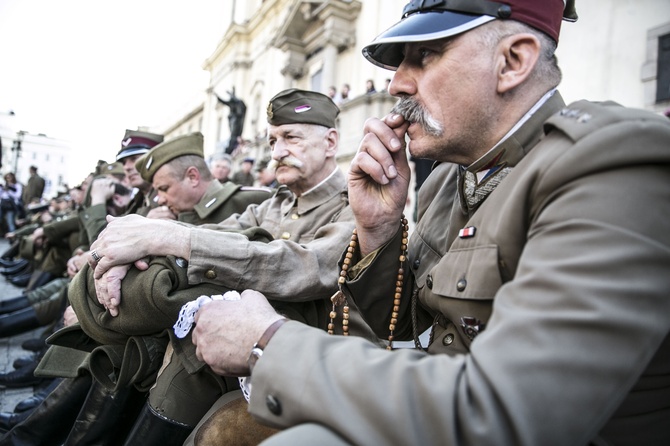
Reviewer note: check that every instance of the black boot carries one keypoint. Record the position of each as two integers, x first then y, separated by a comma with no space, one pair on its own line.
23,377
21,280
34,344
106,416
20,266
153,429
18,322
7,263
12,251
39,278
50,422
10,419
30,403
14,304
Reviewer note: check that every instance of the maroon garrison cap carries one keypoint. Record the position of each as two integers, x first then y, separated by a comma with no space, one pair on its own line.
425,20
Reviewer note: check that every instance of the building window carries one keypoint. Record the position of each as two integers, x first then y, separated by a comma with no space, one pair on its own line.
663,69
316,81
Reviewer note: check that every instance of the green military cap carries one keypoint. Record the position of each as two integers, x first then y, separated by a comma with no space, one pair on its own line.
295,106
150,162
104,168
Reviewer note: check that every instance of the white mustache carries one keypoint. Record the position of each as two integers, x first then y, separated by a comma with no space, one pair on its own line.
288,161
410,109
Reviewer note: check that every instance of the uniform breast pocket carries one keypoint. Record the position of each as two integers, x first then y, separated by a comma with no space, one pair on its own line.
469,273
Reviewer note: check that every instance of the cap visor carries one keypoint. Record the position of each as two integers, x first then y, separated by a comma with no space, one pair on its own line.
131,151
386,52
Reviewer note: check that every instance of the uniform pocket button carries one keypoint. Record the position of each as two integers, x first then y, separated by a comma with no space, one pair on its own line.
448,339
461,284
273,404
429,281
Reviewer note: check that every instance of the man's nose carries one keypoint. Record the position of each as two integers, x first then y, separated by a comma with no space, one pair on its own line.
403,81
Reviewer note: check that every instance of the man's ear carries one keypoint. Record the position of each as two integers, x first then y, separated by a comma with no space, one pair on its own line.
193,175
332,141
517,57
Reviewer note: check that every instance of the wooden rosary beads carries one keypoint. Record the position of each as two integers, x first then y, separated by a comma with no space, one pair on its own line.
338,299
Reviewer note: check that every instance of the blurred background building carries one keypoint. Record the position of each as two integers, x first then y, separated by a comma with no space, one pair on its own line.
618,50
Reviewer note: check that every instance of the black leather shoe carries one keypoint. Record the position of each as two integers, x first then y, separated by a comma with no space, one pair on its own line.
20,266
23,377
24,361
21,280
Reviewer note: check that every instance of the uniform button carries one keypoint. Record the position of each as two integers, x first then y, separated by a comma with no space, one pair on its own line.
461,284
210,274
448,339
181,263
295,217
273,404
429,281
286,236
416,264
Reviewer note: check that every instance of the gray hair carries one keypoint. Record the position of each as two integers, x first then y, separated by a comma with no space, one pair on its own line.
546,70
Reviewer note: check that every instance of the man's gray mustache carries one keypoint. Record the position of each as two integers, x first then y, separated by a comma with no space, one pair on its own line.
412,111
289,161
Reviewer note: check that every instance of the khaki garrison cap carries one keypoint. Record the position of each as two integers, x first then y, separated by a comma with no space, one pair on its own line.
295,106
104,168
149,163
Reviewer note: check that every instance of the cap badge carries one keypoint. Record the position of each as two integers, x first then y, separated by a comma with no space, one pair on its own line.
269,111
149,162
126,142
302,108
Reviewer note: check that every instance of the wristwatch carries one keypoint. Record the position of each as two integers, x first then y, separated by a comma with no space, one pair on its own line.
257,349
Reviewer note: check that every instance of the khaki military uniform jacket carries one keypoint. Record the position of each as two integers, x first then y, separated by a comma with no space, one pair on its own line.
223,200
551,313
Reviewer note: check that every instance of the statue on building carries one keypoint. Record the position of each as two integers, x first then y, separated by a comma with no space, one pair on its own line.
235,119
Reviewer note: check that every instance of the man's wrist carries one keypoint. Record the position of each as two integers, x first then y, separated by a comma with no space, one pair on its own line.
259,347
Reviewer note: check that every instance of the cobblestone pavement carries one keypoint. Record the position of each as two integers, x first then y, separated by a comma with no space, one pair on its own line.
10,348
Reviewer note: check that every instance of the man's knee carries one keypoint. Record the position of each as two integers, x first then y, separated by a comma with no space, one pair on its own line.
307,434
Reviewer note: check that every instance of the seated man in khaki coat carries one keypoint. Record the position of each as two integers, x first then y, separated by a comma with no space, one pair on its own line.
308,218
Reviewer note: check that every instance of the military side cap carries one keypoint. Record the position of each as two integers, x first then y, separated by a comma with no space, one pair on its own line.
149,163
295,106
137,143
104,168
426,20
